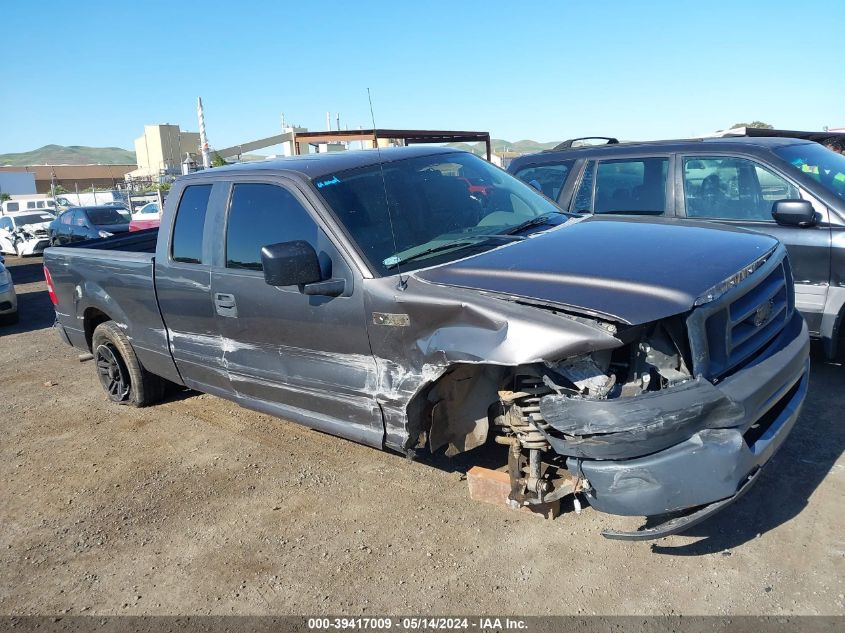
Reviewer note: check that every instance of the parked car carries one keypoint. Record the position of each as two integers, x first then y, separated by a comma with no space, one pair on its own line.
147,217
789,188
88,223
8,298
25,233
652,367
27,203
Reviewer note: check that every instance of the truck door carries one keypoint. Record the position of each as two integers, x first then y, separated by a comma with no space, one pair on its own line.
183,287
303,357
740,192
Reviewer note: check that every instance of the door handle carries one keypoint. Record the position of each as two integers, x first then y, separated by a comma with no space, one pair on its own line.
225,304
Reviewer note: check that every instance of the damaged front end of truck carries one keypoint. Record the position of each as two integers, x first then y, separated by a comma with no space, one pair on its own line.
672,418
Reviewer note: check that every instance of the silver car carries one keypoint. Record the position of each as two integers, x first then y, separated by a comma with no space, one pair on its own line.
8,298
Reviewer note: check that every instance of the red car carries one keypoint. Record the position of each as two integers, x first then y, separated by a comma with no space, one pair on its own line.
147,217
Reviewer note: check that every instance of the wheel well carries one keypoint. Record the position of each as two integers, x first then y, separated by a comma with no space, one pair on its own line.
454,408
91,319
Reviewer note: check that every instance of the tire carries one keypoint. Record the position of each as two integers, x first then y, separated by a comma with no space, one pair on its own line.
122,376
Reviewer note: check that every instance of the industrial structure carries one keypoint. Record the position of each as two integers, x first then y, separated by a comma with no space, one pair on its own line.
160,151
386,137
71,177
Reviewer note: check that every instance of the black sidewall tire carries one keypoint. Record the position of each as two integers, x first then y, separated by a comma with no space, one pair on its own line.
144,388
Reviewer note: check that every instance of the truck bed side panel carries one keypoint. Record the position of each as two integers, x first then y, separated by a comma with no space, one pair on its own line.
119,284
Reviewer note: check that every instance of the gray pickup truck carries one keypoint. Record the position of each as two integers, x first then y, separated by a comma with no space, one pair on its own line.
649,367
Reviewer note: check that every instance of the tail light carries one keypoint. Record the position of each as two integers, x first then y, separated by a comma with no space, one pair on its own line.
50,289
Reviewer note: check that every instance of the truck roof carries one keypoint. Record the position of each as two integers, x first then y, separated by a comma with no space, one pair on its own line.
316,165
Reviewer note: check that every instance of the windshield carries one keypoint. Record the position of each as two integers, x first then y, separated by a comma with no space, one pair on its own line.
32,218
821,164
441,208
104,217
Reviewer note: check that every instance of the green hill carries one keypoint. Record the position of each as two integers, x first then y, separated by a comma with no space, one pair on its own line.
524,146
70,155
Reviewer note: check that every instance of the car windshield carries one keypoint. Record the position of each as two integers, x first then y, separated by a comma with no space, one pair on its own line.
32,218
818,162
441,207
104,217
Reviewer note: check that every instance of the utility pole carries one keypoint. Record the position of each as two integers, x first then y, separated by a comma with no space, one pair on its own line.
206,156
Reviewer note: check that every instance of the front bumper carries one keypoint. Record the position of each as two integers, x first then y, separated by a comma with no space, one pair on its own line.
730,431
34,246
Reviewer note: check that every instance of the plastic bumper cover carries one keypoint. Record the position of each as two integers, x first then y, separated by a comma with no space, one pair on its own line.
732,441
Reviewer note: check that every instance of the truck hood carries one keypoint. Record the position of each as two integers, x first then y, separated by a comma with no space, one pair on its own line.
631,270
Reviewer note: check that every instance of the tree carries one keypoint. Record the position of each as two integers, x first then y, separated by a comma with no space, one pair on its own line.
59,190
4,196
757,124
217,160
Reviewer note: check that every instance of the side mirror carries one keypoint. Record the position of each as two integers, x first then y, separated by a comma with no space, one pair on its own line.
794,213
290,264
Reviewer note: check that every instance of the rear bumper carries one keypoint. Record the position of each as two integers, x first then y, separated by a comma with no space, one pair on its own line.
747,419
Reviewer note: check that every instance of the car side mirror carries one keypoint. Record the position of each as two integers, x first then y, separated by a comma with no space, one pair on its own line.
290,264
794,213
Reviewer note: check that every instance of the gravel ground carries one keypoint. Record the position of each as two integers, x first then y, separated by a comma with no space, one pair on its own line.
197,506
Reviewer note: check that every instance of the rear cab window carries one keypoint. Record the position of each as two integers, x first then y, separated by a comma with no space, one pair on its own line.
187,242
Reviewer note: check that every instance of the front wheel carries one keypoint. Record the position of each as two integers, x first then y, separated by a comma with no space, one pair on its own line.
122,376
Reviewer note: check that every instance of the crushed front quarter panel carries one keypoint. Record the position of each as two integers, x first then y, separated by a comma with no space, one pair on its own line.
433,327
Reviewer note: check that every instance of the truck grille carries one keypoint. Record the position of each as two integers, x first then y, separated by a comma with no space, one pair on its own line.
733,330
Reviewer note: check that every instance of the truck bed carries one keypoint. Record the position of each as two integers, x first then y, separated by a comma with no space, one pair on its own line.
111,279
135,242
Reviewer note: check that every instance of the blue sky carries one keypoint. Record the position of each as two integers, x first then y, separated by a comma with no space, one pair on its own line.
539,70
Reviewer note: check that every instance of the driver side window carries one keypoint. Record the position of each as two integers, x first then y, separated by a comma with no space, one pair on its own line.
730,188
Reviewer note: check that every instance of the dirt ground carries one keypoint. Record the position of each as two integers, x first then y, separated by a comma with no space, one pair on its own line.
197,506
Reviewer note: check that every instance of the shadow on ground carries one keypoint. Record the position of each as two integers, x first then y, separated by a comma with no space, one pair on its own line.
787,483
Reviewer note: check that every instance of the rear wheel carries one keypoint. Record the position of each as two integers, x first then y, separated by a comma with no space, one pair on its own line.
122,376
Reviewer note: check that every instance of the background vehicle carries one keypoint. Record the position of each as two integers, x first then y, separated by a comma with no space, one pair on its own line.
444,320
34,203
147,217
88,223
8,299
791,189
151,208
25,233
138,200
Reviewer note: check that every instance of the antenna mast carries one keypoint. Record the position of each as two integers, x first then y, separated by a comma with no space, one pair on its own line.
403,283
